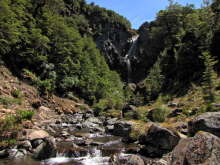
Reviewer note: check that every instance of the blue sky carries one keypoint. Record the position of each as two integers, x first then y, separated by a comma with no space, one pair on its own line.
139,11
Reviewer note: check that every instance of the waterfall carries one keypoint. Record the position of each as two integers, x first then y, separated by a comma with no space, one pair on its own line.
129,55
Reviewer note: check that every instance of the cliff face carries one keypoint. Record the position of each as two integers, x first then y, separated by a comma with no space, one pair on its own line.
114,44
145,53
110,31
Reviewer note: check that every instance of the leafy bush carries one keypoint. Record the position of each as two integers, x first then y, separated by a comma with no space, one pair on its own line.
132,115
154,82
16,93
24,115
160,113
9,101
209,78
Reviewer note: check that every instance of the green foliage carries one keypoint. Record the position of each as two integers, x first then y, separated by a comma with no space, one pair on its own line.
16,93
160,113
12,124
43,85
9,101
132,115
178,37
209,78
24,115
8,142
154,81
52,43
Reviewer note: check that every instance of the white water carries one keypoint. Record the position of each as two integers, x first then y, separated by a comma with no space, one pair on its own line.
130,53
93,158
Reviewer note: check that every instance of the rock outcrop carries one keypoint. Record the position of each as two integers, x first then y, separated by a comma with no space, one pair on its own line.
46,149
208,122
202,149
158,141
122,128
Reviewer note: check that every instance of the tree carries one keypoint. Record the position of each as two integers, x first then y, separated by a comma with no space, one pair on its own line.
209,78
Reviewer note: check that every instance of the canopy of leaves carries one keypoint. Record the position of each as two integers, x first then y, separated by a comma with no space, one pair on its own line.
51,40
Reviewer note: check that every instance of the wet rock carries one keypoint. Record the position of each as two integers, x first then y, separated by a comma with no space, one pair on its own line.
69,149
158,141
209,122
109,129
36,142
15,153
155,161
93,124
132,149
94,120
127,159
110,121
25,145
3,154
46,149
122,128
202,149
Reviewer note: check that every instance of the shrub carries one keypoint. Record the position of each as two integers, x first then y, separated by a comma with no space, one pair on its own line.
209,78
16,93
132,115
160,113
46,85
9,101
24,115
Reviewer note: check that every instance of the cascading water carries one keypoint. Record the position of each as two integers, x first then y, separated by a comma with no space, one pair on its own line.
128,56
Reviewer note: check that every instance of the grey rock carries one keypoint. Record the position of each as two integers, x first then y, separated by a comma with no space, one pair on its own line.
46,149
176,112
109,128
36,142
126,159
208,122
15,153
111,121
158,141
122,128
3,154
94,120
202,149
25,144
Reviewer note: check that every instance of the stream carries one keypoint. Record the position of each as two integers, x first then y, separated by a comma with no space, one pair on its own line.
84,143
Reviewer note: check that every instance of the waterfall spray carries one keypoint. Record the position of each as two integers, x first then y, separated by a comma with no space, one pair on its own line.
128,56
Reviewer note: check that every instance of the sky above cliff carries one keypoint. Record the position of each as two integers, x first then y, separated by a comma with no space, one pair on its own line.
139,11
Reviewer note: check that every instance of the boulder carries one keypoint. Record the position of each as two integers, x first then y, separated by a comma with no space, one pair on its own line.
46,149
158,141
94,120
110,121
36,142
70,149
122,128
26,144
176,112
208,122
32,134
127,159
16,153
202,149
3,154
